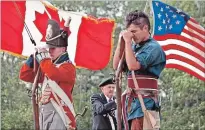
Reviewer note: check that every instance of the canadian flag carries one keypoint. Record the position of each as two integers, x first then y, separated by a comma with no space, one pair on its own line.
89,44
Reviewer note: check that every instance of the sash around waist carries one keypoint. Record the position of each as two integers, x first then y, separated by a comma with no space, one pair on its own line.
143,82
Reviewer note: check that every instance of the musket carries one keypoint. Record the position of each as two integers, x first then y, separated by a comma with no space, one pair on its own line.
34,101
118,78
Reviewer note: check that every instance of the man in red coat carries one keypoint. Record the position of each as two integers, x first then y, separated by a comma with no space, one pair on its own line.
58,78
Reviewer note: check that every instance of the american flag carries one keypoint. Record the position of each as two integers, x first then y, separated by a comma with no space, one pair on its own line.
181,37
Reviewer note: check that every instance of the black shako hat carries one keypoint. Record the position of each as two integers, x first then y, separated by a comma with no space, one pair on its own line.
106,82
55,36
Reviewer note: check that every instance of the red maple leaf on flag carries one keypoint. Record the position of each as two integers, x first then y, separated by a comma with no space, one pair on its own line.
42,20
41,23
54,15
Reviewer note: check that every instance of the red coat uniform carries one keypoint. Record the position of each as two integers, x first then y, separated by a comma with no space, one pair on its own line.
58,80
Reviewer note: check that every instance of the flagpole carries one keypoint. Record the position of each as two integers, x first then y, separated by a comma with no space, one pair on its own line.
150,3
118,80
145,8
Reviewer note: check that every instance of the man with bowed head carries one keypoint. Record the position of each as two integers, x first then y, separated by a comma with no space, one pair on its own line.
145,57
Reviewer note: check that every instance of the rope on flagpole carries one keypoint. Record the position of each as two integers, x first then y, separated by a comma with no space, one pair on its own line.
25,25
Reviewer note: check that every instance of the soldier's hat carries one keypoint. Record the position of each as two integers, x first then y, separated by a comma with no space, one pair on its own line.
55,36
106,82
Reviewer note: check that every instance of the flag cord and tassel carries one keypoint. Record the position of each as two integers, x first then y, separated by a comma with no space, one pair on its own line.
25,25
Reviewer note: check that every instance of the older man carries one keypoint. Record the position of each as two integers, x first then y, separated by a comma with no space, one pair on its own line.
104,106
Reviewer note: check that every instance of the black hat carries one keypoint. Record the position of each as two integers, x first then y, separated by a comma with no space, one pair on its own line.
55,36
106,82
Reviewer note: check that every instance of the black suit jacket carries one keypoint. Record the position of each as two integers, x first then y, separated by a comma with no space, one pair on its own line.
100,110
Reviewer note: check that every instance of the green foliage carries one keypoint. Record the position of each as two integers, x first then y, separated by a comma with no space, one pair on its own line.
184,102
15,104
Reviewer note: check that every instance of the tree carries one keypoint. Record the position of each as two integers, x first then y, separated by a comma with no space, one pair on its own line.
15,104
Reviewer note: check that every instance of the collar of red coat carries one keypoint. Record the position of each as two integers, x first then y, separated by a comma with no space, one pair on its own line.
62,58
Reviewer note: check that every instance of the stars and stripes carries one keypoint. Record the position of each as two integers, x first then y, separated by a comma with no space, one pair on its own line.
181,37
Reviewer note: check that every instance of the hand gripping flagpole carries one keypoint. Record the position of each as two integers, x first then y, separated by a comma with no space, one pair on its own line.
36,79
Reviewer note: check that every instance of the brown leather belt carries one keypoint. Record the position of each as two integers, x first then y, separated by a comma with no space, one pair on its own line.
143,82
145,92
148,88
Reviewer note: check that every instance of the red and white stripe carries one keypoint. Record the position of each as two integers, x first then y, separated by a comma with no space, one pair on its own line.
186,52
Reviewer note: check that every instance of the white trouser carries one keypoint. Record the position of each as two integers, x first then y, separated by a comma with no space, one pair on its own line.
49,119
